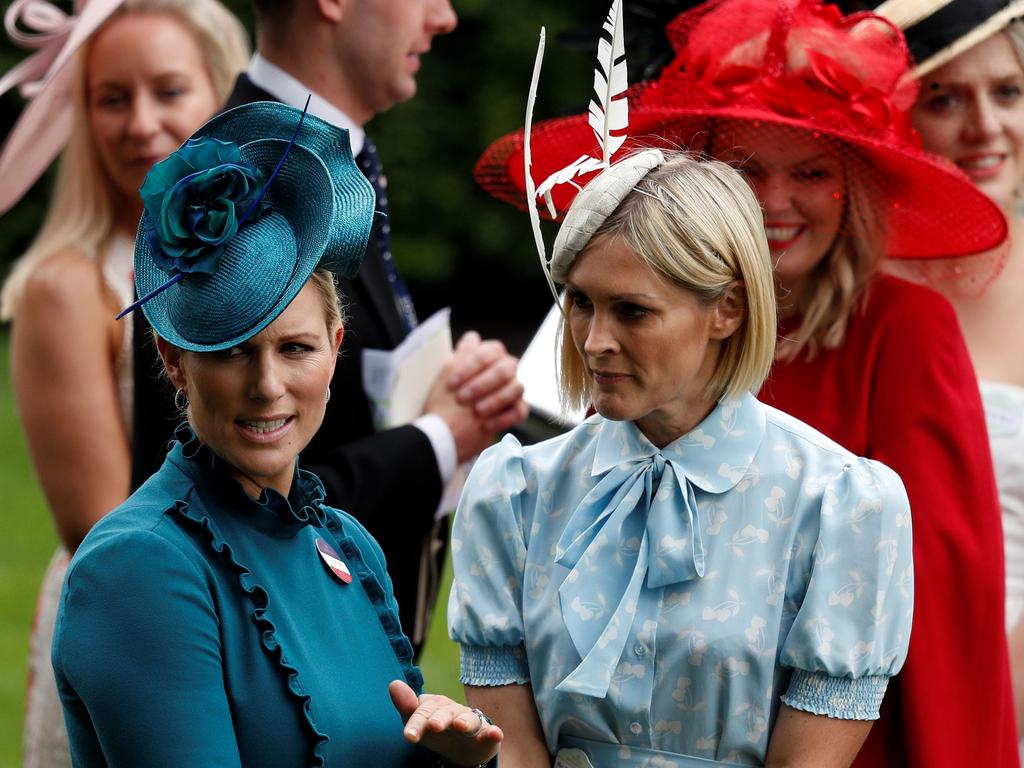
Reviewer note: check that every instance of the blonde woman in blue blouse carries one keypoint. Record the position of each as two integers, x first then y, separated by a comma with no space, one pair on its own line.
690,577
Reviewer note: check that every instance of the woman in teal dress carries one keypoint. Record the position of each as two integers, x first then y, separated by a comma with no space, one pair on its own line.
689,577
224,615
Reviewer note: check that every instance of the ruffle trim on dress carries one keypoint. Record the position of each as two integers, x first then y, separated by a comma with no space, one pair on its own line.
378,597
306,486
268,632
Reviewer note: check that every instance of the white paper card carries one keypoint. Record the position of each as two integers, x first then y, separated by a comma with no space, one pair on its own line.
398,382
538,371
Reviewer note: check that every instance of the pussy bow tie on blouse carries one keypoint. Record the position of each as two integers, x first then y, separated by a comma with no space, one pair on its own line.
641,521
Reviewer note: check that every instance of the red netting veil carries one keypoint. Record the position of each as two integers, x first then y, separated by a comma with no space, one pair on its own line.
751,76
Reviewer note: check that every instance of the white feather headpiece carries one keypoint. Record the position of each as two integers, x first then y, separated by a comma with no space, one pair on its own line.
609,119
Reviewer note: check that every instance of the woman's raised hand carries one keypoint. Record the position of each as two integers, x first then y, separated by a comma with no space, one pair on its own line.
452,730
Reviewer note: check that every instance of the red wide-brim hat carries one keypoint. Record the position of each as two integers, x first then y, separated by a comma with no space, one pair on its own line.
771,63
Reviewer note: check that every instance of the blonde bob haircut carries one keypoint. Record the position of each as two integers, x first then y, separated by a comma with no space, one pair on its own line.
81,210
696,222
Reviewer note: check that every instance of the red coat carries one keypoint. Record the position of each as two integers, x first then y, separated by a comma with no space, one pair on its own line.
902,390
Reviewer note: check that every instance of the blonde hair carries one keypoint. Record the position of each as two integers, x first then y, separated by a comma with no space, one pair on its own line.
326,284
696,222
841,278
1015,31
82,205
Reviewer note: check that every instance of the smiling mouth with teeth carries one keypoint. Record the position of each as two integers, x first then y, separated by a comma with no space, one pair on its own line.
980,163
780,234
263,427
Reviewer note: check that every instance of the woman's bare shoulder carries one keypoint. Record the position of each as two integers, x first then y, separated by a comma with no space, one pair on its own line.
69,283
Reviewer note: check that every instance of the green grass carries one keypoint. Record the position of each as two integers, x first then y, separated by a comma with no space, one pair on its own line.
26,545
25,549
440,658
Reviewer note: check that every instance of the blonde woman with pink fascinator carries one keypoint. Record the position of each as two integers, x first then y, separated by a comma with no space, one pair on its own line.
113,88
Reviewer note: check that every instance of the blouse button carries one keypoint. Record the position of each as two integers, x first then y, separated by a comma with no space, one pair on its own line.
640,649
635,728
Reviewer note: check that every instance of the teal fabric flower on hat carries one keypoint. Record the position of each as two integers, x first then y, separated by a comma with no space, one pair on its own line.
195,201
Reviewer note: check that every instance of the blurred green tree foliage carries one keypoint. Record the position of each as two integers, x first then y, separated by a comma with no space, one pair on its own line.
456,245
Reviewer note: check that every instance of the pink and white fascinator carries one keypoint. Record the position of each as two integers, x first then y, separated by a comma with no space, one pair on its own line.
46,80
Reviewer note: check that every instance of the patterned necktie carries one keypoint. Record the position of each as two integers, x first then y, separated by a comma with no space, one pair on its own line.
369,163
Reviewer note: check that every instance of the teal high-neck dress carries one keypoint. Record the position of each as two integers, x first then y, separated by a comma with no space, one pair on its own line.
201,627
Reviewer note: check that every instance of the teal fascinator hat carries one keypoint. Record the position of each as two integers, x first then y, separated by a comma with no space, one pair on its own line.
238,218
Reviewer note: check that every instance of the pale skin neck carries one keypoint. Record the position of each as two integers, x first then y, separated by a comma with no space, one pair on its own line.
253,489
309,61
664,428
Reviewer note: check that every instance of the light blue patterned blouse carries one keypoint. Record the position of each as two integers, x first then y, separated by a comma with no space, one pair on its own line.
669,599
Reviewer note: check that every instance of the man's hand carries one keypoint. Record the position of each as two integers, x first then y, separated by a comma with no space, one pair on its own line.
477,394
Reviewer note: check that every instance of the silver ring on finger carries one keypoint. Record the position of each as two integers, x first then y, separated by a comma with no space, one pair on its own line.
484,721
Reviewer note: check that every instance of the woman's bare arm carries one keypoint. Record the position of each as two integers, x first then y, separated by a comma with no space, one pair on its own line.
64,349
802,740
513,709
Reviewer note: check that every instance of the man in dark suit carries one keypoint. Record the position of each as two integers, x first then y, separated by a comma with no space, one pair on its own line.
358,58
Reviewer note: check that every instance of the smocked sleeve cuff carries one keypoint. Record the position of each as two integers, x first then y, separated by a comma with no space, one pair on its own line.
840,697
493,665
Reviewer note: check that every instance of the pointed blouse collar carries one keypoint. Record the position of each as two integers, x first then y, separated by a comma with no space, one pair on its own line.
714,455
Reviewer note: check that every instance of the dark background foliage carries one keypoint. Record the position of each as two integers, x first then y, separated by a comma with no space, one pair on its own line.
455,245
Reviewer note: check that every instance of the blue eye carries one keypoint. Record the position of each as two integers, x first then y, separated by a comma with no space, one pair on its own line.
940,103
229,353
1008,93
579,300
112,101
632,311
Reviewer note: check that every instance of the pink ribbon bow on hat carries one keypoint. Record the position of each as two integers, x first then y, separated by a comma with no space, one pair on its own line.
45,124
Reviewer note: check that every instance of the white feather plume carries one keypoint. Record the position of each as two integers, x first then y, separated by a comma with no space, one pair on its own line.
531,191
609,110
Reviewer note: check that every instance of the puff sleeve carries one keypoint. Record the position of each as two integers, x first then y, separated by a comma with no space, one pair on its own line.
489,555
852,627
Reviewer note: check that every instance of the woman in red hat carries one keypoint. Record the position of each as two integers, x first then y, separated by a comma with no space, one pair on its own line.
814,107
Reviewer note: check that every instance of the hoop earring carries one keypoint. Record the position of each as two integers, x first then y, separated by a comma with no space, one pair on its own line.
328,395
181,399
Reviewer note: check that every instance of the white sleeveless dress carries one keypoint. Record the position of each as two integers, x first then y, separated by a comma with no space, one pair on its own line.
1004,414
45,739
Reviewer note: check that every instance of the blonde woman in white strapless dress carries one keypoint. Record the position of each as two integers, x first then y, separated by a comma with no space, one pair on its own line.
971,110
147,77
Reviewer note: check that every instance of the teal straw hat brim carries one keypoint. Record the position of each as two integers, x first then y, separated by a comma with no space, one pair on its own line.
320,215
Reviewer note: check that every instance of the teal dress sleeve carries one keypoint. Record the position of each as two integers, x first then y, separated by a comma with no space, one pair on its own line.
851,632
488,556
112,609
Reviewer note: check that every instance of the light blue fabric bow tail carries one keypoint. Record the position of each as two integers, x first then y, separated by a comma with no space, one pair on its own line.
640,520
